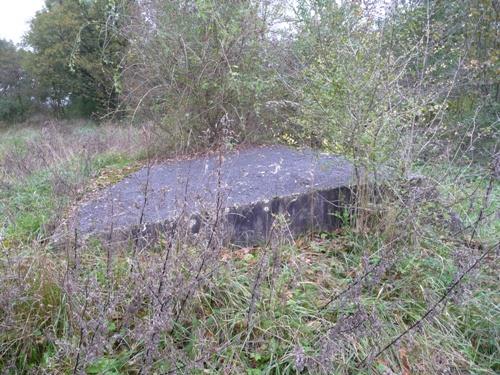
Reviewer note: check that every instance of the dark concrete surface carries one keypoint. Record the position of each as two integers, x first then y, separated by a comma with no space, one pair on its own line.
252,185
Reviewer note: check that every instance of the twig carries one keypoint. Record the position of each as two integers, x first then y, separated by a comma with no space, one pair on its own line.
433,308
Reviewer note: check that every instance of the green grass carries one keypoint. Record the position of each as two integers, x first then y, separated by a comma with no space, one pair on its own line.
286,314
32,202
464,188
216,331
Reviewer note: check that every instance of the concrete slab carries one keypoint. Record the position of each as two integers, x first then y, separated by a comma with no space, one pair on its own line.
250,187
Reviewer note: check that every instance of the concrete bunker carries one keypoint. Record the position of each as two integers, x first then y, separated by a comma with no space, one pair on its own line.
247,188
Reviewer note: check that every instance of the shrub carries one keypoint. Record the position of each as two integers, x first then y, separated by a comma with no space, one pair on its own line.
205,67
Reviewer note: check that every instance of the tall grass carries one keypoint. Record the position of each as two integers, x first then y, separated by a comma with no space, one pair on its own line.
44,169
325,303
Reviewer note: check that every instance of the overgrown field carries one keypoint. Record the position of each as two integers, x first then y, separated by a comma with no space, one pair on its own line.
419,265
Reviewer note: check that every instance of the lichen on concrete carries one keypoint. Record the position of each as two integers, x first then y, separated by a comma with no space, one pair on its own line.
251,185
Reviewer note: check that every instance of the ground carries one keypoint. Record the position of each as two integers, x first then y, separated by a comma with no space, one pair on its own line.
321,304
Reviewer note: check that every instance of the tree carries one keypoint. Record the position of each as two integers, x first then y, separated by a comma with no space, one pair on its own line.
401,83
201,66
78,54
15,83
457,45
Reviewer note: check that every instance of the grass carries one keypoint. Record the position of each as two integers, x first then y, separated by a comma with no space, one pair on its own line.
36,191
255,311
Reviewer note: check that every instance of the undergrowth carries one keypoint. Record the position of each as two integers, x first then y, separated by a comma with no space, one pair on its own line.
308,305
44,170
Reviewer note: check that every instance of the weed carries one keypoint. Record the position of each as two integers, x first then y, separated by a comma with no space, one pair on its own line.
374,298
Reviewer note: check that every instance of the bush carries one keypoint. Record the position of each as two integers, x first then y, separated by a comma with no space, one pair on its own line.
206,67
12,109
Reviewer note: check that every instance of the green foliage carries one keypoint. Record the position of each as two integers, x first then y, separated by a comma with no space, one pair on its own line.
348,91
11,109
15,84
106,366
78,53
418,83
201,70
394,90
457,63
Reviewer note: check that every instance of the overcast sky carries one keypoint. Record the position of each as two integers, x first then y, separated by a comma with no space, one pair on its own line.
14,17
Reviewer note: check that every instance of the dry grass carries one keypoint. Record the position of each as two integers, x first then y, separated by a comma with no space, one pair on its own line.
328,303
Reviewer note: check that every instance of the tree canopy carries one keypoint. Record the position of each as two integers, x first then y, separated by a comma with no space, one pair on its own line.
15,83
310,69
78,54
